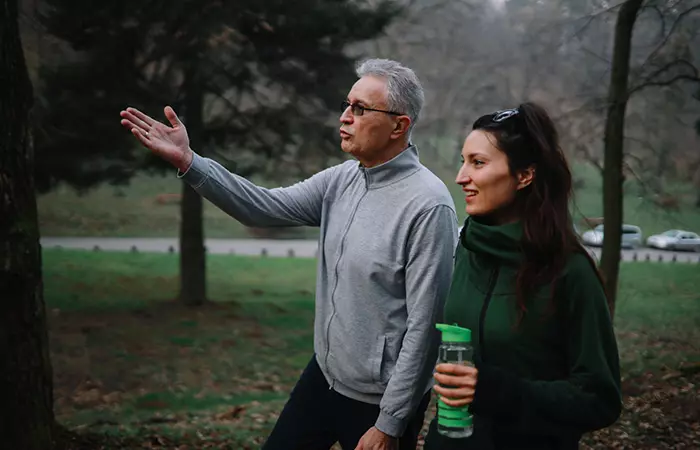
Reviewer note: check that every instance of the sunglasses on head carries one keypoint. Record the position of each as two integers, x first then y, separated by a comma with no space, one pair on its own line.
500,116
358,110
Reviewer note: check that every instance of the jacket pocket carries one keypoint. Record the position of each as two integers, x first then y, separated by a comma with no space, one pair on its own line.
390,356
378,359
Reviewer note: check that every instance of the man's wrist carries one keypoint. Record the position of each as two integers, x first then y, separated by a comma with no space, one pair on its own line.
186,161
390,425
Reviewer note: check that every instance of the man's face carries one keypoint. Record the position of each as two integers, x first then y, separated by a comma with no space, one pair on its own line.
367,136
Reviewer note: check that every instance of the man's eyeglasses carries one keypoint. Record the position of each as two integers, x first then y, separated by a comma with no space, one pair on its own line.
500,116
358,110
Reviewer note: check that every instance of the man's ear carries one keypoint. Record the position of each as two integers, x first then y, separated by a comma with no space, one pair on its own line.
401,126
525,177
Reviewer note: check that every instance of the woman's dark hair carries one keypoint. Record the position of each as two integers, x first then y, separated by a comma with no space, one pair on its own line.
528,137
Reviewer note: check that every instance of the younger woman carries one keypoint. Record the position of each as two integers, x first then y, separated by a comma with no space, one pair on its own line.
546,361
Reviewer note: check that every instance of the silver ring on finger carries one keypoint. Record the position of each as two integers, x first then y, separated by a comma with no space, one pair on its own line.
148,133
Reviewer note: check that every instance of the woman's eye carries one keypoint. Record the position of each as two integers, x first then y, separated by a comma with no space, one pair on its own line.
478,162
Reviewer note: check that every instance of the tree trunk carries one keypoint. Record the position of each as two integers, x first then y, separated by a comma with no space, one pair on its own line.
193,282
192,255
614,143
26,389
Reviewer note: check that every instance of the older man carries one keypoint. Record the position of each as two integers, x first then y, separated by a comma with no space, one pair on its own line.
388,230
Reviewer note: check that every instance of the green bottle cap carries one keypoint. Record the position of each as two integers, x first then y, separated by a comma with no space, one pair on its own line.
454,333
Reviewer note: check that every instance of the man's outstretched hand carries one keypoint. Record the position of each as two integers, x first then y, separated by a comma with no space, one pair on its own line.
170,143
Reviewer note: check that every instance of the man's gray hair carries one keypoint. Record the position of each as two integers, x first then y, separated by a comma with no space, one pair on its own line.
405,93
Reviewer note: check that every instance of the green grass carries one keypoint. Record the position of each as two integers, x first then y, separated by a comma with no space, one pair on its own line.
94,281
125,353
134,210
129,360
639,208
658,316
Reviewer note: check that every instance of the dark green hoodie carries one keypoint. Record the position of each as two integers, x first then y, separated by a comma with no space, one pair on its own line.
546,381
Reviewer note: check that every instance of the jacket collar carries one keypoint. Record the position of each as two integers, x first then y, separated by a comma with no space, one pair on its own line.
401,166
501,242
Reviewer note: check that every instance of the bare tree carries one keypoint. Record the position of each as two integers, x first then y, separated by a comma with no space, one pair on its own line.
614,142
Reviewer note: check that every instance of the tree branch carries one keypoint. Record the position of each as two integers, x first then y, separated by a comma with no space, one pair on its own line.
693,78
595,55
643,142
593,16
661,17
650,79
675,24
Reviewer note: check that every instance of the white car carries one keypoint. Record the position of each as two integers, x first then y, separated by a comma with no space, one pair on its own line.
631,236
675,240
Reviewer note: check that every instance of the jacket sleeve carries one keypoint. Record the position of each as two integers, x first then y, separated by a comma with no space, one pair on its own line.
589,399
430,250
252,205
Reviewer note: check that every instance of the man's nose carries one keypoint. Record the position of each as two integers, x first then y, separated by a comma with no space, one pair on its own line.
346,116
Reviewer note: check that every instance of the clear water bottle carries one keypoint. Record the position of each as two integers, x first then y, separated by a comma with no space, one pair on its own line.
455,348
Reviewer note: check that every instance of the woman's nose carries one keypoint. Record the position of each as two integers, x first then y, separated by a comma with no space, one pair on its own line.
463,175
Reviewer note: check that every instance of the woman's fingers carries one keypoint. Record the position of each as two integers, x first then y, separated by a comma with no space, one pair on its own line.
456,369
456,383
454,393
457,403
460,381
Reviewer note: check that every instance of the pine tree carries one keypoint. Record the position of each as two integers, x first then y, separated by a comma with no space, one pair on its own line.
254,82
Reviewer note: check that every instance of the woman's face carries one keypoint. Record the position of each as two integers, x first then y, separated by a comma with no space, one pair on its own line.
486,180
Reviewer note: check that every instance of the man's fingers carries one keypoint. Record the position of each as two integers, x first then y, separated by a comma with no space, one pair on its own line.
449,380
172,117
128,124
149,121
132,126
141,136
126,115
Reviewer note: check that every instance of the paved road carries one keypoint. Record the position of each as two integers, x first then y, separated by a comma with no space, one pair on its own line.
653,255
272,247
296,248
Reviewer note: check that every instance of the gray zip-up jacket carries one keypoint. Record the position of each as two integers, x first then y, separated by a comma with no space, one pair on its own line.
386,246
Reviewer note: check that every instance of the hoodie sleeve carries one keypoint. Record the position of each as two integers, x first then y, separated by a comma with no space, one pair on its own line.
252,205
590,398
428,273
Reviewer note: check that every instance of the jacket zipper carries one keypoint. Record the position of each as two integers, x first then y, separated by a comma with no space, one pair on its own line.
337,263
485,307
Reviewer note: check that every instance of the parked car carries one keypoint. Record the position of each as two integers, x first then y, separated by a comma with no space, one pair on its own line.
675,240
631,236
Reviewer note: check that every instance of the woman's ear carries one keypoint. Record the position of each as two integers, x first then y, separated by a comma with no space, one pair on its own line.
525,177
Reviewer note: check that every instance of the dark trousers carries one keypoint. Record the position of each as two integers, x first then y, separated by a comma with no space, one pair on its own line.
316,417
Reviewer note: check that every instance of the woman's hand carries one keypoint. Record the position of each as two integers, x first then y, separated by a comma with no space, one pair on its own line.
457,383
